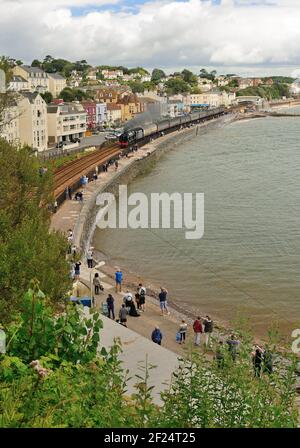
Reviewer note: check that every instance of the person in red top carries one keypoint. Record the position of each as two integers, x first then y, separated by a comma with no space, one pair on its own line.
197,327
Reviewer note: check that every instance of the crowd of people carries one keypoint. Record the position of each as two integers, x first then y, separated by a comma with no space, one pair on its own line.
134,305
203,327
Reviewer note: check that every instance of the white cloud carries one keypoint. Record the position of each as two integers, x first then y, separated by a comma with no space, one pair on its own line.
161,33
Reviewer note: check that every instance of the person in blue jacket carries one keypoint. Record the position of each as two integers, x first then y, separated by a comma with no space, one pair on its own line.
119,279
157,336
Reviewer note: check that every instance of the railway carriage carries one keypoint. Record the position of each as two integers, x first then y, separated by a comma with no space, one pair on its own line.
174,122
185,119
163,125
151,129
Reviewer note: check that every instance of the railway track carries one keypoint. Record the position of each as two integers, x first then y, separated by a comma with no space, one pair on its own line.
69,175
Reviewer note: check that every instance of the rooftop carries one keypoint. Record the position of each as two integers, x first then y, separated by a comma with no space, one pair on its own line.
65,108
30,69
113,106
31,96
18,79
55,76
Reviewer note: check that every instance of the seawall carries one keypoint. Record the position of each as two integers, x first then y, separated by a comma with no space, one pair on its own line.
85,225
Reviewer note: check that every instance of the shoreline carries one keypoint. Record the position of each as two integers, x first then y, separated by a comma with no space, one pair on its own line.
132,279
183,310
85,223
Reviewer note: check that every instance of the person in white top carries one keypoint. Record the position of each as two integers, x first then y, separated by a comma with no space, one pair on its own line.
182,330
142,296
89,257
127,299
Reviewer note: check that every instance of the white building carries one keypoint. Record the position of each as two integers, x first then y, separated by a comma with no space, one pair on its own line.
112,74
92,74
9,125
37,79
66,121
213,98
75,79
222,81
56,84
295,87
33,120
2,81
205,84
127,78
18,83
114,113
101,113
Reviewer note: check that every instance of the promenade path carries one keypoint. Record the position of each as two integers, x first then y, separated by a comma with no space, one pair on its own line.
136,340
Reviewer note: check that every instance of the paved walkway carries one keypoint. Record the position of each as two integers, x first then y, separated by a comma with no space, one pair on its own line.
69,211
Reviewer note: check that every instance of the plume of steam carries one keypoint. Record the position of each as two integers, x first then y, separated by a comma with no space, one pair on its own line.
152,114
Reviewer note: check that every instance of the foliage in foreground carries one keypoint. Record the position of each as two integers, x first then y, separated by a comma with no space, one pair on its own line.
27,249
78,387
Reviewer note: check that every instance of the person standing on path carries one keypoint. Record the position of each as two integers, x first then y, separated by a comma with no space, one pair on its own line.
110,306
163,301
137,299
157,336
197,327
119,279
267,361
97,284
70,241
182,331
142,296
220,358
123,315
89,257
257,358
233,345
77,270
208,329
127,299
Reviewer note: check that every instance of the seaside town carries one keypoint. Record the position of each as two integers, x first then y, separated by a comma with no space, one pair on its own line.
110,318
74,101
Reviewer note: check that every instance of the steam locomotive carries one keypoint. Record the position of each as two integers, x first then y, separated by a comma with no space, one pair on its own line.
147,131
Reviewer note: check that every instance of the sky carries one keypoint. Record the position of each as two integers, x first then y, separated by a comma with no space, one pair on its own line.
247,37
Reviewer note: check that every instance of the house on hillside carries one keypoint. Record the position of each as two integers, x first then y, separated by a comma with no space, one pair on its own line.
37,79
295,87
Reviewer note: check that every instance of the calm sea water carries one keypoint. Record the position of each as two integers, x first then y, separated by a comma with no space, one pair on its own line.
248,260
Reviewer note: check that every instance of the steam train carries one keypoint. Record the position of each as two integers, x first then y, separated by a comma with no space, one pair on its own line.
147,131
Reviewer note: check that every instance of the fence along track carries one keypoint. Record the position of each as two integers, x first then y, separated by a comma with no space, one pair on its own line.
69,175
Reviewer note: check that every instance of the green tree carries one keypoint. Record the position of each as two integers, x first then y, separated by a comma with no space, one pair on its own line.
209,75
157,75
233,83
138,70
47,96
189,77
67,94
36,63
6,66
136,86
177,85
27,248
